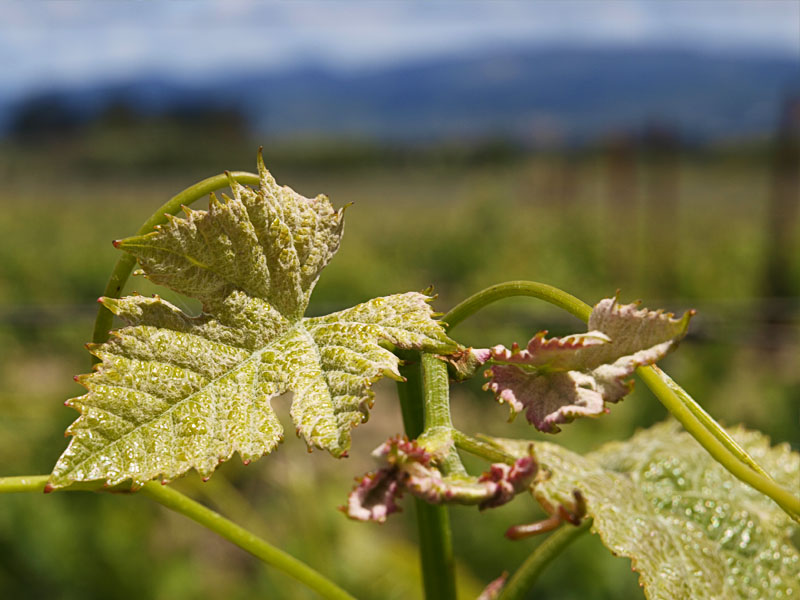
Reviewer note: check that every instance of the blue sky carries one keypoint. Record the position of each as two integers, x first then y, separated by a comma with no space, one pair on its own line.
46,43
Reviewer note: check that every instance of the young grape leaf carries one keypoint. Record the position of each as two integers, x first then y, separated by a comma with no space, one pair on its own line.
410,468
174,392
557,379
689,527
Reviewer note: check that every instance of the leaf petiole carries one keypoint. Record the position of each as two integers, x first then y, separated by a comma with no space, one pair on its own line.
478,447
491,294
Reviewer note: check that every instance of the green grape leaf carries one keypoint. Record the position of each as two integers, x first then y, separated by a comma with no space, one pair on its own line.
690,528
174,392
555,380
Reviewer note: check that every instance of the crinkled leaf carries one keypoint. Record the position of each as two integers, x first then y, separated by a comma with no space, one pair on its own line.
411,468
555,380
174,392
375,496
690,528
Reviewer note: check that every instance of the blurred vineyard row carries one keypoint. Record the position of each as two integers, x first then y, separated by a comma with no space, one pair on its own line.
712,229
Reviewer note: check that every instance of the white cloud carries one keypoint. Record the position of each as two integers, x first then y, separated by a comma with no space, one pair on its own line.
46,41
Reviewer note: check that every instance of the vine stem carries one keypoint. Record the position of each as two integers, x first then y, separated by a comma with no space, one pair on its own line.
433,521
523,579
124,267
652,376
180,503
707,421
545,292
481,448
438,423
246,540
697,422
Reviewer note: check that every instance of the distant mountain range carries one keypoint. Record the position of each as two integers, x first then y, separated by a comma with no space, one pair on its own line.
531,95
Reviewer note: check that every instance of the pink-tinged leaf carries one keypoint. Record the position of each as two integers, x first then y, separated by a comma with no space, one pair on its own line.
429,484
373,499
410,468
645,335
503,481
493,488
552,354
556,380
463,364
400,450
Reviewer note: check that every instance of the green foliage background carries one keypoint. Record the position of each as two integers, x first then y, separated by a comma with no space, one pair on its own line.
459,221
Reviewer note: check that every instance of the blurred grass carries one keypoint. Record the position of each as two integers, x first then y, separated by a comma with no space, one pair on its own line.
458,226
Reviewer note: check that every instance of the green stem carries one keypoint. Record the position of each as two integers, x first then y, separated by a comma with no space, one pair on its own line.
410,394
545,292
683,407
480,448
718,450
247,541
521,582
709,423
126,263
25,483
38,483
184,505
436,550
436,393
433,521
436,400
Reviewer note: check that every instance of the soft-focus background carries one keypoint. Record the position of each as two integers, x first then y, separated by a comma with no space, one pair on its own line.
650,147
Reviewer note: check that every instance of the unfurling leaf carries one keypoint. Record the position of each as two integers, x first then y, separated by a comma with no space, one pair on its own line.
689,527
174,392
411,468
555,380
